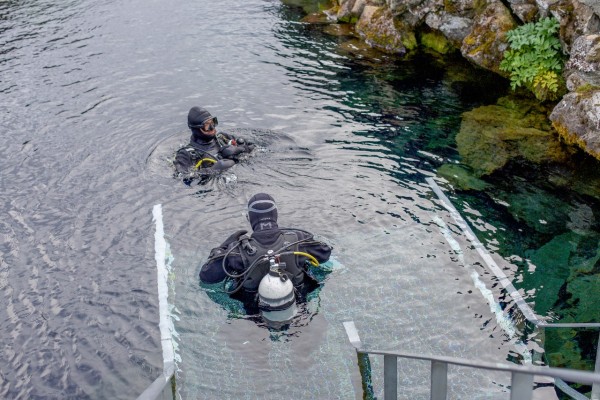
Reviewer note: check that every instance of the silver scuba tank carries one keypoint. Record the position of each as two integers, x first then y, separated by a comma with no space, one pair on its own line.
276,298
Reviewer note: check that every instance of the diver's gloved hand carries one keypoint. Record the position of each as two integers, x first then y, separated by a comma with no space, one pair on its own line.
247,146
222,165
234,237
231,151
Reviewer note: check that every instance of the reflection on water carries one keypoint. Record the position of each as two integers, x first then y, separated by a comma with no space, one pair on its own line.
94,103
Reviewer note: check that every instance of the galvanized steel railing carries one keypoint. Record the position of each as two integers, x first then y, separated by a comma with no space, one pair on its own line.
521,376
522,305
158,388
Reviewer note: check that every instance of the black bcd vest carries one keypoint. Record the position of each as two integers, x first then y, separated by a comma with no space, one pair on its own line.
293,268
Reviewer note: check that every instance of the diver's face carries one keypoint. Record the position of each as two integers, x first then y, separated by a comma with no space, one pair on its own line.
209,127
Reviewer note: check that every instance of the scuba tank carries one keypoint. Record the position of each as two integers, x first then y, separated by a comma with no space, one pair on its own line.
276,297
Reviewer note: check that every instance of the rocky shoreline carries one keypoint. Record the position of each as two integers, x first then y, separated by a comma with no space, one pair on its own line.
561,135
477,30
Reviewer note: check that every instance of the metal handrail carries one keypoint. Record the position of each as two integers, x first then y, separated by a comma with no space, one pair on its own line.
521,375
156,388
522,305
165,324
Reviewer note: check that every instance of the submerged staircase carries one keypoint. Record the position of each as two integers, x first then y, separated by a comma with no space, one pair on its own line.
522,376
522,383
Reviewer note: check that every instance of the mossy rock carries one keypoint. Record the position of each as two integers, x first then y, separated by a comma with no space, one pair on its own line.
461,177
582,306
486,43
436,42
310,6
567,268
567,356
340,30
490,136
381,30
316,18
551,263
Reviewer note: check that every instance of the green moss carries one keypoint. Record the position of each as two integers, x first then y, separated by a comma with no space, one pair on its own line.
492,135
587,88
436,42
409,41
450,6
349,19
572,139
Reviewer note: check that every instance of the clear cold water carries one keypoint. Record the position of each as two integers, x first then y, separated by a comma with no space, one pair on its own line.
94,99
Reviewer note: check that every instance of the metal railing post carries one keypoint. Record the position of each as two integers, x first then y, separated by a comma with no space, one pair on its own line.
596,386
390,377
439,380
521,386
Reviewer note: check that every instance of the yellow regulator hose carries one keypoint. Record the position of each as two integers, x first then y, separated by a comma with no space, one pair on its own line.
199,163
312,260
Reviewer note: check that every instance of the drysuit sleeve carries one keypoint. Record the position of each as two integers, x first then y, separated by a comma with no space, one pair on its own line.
221,165
212,270
183,161
319,250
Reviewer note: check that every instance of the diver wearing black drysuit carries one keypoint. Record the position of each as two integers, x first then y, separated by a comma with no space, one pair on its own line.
208,150
241,258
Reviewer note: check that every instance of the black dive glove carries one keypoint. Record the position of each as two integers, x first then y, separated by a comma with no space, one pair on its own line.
248,147
232,151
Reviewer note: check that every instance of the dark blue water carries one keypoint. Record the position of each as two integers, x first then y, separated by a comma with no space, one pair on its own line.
94,99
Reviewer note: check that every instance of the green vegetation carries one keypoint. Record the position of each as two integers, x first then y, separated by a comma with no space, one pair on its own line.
535,60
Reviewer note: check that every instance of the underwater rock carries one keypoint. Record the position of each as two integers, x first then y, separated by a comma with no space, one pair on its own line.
582,305
316,18
551,271
578,298
567,268
310,6
567,353
461,177
340,30
536,208
436,42
490,136
361,50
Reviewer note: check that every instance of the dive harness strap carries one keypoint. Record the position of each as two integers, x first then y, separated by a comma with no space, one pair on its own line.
266,307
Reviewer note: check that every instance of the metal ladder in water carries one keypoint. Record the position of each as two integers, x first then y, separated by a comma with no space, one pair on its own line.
521,387
521,375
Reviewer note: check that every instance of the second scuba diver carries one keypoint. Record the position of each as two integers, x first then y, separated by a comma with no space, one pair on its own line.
208,151
246,260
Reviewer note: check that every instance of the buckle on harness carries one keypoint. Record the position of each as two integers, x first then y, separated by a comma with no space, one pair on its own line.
251,250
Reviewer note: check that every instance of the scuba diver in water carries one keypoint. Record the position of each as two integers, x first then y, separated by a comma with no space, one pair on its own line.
209,151
268,269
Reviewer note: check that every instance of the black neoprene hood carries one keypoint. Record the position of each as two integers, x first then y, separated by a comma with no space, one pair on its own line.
261,209
197,116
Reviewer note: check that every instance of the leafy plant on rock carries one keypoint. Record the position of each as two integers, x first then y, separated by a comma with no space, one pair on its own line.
534,59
